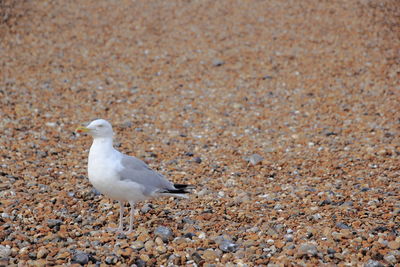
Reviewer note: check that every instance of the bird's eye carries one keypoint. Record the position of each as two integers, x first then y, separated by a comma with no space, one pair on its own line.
100,126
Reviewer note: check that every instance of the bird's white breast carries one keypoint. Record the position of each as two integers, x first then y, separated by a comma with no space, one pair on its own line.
103,170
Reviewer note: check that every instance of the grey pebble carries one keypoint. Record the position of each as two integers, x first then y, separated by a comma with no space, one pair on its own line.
187,220
5,251
197,159
316,217
80,258
126,124
255,159
308,249
289,237
227,246
164,232
331,251
218,62
140,263
53,223
111,260
342,225
372,263
146,208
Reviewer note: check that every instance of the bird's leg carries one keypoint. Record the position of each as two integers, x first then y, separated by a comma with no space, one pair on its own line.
132,204
121,217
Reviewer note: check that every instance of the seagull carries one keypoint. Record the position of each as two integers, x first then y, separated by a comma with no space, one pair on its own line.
122,177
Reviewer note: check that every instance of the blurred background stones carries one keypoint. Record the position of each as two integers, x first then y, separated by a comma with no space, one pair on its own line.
284,114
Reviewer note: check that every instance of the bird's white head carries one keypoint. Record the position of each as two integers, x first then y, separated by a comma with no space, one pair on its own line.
98,129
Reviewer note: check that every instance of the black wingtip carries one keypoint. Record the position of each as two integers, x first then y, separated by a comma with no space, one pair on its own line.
184,186
179,189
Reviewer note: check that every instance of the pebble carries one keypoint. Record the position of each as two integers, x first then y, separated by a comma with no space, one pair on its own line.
217,62
137,245
161,249
149,245
227,246
146,208
307,249
164,232
141,263
197,258
197,160
80,258
210,255
373,263
144,257
5,251
42,252
54,222
391,259
289,237
394,244
143,237
317,217
255,159
342,225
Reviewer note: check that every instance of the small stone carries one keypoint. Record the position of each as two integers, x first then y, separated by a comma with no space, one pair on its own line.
187,220
279,244
331,251
53,223
218,62
137,245
111,260
372,263
5,251
197,160
255,159
289,237
143,237
38,263
63,255
342,225
316,217
189,235
227,246
164,232
149,245
159,241
307,249
391,259
197,258
210,255
161,249
42,252
140,262
394,245
80,258
146,208
144,257
126,124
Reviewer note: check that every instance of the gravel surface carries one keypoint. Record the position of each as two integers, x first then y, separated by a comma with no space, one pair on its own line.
284,113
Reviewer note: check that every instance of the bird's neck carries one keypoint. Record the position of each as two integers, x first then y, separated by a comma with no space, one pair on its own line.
101,145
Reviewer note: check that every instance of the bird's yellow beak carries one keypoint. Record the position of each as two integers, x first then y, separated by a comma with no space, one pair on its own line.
82,129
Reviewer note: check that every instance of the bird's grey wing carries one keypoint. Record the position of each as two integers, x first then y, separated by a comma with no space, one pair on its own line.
135,170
